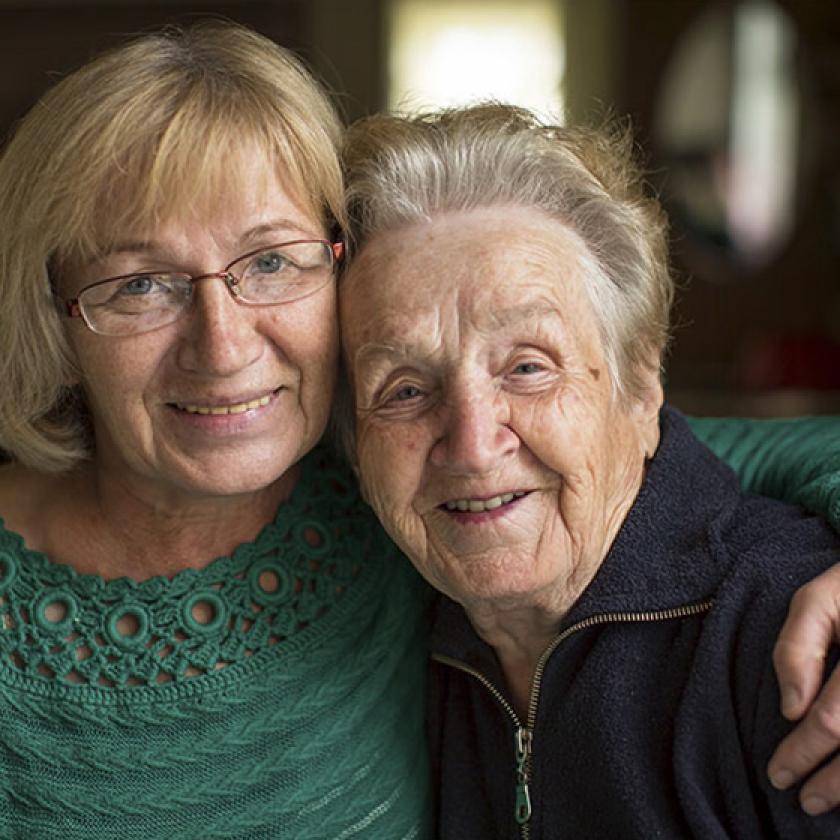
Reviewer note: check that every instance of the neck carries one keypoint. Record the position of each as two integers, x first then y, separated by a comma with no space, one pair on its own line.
117,530
520,628
519,637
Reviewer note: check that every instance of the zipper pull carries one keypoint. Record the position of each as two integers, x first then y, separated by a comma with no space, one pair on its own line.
522,744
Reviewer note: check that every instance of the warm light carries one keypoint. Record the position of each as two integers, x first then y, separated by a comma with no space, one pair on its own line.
453,53
763,128
729,127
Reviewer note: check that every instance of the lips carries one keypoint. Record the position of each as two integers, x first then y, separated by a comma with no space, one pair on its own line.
481,505
222,408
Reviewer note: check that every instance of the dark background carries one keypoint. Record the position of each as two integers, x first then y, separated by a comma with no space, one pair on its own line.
761,341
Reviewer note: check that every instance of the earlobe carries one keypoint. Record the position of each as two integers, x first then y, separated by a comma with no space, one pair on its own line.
653,397
648,404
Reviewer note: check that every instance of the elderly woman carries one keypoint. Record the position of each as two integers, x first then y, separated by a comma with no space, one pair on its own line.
203,632
603,653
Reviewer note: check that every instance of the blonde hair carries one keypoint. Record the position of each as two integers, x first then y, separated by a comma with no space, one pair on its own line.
154,128
404,170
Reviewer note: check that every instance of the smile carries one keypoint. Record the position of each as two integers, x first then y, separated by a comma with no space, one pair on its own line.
231,408
481,505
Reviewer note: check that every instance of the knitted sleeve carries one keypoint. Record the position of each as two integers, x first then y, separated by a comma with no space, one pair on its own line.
795,460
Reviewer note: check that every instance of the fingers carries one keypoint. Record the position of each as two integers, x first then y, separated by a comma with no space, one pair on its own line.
811,627
799,665
815,738
821,792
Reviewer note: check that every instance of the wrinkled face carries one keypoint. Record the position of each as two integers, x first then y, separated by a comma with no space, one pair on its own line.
489,442
226,399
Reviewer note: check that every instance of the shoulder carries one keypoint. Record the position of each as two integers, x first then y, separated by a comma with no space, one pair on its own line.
761,551
774,547
730,709
771,549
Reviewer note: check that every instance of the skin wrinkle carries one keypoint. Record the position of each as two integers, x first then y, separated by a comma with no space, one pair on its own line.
516,407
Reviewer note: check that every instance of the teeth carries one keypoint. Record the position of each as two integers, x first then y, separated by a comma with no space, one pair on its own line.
479,505
238,408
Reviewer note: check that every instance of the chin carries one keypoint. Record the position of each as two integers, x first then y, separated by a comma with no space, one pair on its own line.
490,582
234,475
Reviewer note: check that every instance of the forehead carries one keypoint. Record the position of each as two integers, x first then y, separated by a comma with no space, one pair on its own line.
495,267
201,192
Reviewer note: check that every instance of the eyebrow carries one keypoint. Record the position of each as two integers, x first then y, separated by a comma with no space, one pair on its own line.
281,227
278,226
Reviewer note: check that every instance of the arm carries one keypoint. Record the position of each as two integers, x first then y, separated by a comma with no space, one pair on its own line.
797,460
794,460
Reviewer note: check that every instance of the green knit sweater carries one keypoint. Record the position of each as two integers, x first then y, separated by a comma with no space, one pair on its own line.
290,705
796,460
276,693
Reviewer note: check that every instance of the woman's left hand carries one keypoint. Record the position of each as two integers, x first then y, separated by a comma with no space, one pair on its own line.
812,626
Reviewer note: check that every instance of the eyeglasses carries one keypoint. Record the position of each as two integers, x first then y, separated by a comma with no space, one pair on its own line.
137,303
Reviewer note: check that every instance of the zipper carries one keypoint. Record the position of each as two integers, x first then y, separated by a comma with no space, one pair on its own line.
523,734
522,746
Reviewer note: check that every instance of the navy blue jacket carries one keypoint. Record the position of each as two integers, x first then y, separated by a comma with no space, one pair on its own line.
658,708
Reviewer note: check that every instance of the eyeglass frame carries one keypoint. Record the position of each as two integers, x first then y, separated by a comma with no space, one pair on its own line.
73,307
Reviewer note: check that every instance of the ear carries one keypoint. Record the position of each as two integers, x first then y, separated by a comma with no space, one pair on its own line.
647,404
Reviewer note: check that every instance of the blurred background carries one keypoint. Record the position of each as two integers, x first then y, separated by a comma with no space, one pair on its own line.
735,105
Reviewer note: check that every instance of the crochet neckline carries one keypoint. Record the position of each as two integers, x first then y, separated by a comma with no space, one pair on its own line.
268,600
156,582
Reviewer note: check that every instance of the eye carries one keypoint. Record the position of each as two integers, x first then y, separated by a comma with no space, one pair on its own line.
269,262
138,294
140,285
526,368
405,393
142,288
530,372
403,400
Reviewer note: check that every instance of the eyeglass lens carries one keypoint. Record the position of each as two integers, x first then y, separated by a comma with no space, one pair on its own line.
142,302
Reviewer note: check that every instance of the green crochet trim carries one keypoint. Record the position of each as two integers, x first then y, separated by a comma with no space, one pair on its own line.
88,636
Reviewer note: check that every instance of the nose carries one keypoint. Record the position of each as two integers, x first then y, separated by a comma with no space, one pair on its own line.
221,336
475,437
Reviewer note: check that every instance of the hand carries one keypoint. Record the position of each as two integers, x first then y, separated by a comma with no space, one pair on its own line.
812,626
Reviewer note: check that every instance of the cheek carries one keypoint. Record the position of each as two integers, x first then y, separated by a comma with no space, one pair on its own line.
118,373
307,337
390,465
319,332
563,428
